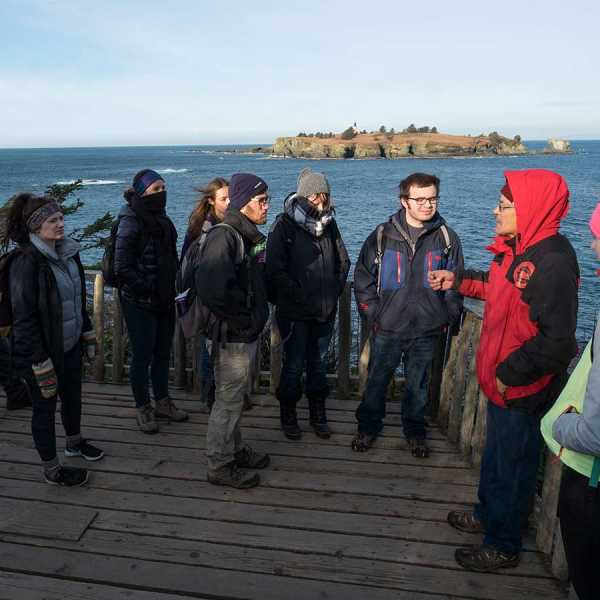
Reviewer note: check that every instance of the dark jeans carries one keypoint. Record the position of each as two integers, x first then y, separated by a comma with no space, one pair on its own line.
304,343
44,409
579,512
508,476
386,353
150,336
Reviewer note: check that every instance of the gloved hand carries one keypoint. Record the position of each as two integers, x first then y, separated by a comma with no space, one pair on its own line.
88,340
45,377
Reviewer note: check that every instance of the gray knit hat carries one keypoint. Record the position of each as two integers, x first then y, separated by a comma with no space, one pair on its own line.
310,183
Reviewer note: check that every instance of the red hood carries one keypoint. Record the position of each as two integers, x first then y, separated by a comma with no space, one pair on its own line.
541,200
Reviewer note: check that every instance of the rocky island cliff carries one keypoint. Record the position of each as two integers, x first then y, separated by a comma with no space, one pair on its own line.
402,145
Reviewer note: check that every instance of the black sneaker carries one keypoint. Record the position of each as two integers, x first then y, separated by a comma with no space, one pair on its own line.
67,476
418,447
246,458
362,442
485,559
84,450
465,520
231,476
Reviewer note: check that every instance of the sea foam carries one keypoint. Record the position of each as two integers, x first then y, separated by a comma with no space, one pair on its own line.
172,170
91,182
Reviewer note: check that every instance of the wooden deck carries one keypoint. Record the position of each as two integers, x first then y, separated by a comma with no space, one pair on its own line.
326,523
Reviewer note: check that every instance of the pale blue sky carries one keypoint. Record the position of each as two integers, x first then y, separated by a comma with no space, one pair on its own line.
196,72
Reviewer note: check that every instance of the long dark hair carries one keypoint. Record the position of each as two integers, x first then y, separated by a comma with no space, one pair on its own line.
203,207
13,223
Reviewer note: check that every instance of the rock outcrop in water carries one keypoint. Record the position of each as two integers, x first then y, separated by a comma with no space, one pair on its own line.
400,145
556,146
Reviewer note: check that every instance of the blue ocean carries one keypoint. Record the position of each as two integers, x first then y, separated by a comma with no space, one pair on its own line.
365,192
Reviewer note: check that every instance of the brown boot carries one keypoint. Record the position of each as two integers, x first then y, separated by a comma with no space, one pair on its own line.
166,409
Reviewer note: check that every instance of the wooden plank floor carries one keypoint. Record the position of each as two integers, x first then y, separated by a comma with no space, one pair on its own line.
326,523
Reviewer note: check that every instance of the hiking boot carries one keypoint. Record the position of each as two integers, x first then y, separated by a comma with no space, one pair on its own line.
362,442
289,422
247,403
465,520
84,450
166,409
145,419
247,458
232,476
67,476
418,447
485,559
318,417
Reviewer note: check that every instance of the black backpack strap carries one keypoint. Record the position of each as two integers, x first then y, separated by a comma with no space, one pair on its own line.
379,254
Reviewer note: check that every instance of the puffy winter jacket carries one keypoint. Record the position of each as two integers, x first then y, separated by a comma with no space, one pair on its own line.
305,274
406,305
137,265
234,291
37,308
528,333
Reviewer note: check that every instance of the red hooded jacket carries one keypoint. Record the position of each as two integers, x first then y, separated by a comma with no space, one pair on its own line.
528,333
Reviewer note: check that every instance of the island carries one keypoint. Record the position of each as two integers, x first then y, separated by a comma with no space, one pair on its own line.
413,142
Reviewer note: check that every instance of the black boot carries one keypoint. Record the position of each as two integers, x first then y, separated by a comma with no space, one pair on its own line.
318,416
289,421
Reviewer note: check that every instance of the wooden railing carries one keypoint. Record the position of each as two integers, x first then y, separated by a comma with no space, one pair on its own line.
458,404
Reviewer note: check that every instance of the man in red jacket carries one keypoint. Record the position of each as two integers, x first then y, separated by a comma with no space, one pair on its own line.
527,341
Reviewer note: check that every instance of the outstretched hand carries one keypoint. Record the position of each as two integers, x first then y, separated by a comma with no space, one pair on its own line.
440,280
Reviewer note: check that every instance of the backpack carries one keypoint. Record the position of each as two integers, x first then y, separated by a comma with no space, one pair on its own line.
193,316
381,249
107,265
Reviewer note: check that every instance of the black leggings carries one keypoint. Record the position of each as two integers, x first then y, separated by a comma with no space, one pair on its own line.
44,409
579,512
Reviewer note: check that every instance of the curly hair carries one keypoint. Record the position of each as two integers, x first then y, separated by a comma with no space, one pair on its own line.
13,223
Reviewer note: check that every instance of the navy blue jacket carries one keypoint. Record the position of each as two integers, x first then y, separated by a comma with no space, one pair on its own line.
406,305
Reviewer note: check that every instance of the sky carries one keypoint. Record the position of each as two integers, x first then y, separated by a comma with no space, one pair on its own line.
89,73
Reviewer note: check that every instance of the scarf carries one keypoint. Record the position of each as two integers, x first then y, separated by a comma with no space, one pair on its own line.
307,216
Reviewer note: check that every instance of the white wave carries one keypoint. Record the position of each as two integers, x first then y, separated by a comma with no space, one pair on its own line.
91,182
172,170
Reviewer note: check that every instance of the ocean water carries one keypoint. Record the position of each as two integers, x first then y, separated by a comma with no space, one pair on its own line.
365,192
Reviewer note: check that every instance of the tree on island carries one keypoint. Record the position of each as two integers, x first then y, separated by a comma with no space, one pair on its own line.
382,129
410,129
433,130
348,133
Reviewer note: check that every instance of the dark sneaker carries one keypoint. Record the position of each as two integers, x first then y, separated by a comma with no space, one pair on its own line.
67,476
485,559
145,419
318,417
321,430
166,409
247,403
362,442
418,447
232,476
84,450
246,458
465,520
289,422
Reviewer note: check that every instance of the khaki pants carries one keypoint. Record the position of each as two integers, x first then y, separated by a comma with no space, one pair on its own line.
233,365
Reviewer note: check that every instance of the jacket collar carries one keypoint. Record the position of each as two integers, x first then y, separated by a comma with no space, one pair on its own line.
63,250
245,227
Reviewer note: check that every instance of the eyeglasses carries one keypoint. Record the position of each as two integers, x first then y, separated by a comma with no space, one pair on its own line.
262,201
433,200
502,207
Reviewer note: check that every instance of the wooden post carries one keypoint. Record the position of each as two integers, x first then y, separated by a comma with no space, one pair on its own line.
99,327
448,381
179,357
345,342
560,567
365,353
276,351
118,354
547,522
479,430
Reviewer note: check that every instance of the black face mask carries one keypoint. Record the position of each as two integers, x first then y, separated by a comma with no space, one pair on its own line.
154,202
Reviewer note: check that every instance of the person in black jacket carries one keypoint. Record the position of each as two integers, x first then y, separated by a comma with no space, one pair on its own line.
405,315
307,267
50,329
232,262
145,266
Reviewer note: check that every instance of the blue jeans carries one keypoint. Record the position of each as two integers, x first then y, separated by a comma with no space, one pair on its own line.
386,353
508,476
304,343
150,338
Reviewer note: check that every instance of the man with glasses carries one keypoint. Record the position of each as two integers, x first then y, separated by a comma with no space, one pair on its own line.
527,342
405,316
230,284
307,267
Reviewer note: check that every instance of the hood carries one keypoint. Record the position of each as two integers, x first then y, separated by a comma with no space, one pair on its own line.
541,200
64,249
